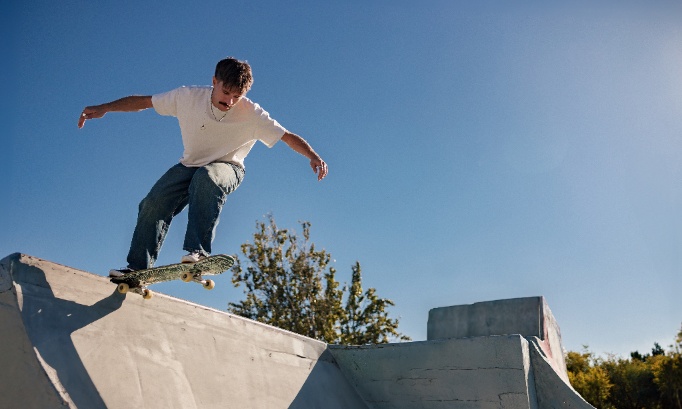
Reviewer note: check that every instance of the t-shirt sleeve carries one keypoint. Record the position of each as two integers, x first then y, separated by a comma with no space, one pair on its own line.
166,103
268,130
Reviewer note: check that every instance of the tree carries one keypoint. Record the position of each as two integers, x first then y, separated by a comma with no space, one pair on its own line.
644,381
290,284
667,370
365,319
588,378
633,383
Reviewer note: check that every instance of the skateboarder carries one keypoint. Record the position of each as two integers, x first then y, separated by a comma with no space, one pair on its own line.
219,126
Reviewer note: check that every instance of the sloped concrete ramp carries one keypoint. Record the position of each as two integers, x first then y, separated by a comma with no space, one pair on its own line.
67,339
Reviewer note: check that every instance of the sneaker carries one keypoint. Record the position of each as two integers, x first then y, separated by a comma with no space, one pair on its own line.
120,272
192,257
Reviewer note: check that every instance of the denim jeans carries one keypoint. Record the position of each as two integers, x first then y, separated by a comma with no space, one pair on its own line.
203,189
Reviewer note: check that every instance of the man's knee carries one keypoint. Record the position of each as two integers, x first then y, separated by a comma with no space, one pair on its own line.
151,204
158,203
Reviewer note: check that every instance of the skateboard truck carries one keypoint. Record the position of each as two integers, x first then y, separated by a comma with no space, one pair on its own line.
145,292
197,278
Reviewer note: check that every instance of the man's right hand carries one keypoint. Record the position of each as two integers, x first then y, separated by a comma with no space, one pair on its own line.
91,112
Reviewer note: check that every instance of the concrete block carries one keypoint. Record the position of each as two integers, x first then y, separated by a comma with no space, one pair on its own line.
522,316
528,317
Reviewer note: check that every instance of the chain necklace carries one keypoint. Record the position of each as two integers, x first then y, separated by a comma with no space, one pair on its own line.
210,102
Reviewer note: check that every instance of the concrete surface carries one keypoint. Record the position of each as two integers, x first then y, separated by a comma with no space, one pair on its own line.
67,339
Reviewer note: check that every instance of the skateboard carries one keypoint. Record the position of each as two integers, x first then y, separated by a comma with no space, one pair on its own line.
138,281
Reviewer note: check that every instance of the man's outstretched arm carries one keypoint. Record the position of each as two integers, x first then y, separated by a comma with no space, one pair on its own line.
127,104
300,145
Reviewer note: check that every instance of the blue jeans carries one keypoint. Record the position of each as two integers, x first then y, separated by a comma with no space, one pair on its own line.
203,189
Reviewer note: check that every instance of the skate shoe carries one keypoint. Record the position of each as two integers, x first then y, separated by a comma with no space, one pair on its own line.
120,272
192,257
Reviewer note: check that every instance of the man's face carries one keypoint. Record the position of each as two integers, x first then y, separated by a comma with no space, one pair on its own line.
224,97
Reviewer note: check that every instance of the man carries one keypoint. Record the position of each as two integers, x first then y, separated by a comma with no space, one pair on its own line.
219,126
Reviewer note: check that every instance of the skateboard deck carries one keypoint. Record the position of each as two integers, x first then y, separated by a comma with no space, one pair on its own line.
138,281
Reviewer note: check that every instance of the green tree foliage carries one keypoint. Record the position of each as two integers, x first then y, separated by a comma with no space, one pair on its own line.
587,376
667,370
652,381
290,284
633,383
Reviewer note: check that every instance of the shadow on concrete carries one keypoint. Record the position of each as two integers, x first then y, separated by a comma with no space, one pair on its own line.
327,388
49,323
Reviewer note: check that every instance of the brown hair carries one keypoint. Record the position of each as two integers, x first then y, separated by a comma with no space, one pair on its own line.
234,74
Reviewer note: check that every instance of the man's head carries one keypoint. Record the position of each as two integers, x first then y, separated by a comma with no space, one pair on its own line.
232,80
234,74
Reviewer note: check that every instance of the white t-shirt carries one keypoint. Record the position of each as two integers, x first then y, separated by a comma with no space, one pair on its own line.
208,140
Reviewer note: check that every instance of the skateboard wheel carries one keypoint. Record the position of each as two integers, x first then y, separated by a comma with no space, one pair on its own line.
187,277
209,284
146,294
123,288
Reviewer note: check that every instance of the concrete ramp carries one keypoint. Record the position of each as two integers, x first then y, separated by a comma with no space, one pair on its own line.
68,339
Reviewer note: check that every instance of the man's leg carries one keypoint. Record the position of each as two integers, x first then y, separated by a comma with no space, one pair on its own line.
207,194
156,211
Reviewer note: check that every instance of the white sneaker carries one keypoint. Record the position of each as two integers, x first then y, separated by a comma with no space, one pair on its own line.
192,257
120,272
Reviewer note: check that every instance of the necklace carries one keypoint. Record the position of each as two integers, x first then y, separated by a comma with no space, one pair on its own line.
210,103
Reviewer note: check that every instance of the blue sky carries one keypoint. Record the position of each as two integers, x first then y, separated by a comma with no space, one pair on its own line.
477,151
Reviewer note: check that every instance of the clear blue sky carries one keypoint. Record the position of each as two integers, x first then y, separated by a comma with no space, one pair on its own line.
477,151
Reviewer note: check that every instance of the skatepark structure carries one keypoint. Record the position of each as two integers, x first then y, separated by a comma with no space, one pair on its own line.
69,340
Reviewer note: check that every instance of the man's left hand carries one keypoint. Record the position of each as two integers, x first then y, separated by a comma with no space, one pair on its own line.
320,168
